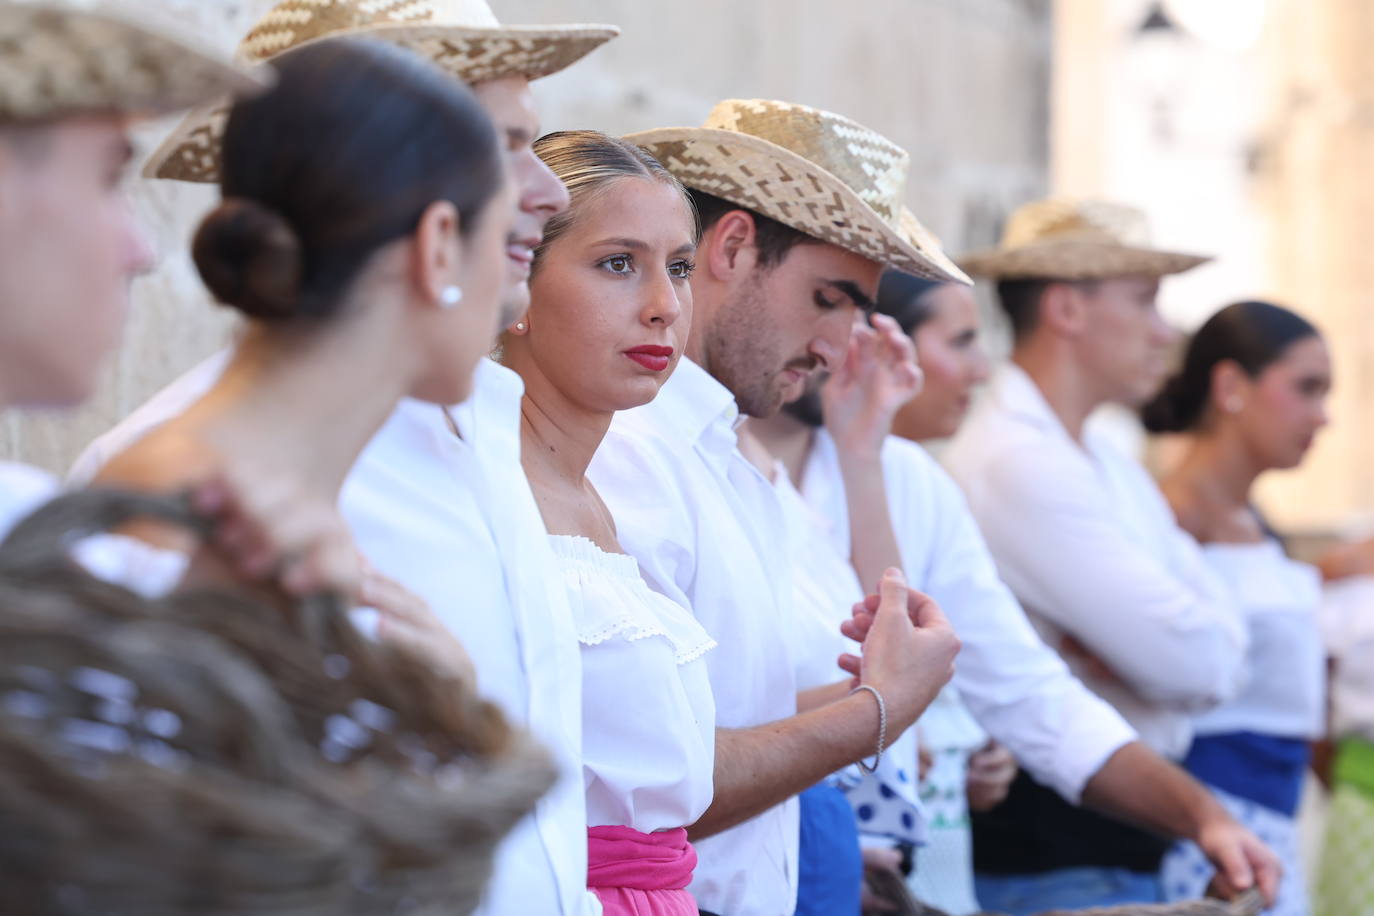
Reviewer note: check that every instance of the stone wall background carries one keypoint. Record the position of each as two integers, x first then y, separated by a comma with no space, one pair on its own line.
962,84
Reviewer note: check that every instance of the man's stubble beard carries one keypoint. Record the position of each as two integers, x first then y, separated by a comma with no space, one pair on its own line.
738,356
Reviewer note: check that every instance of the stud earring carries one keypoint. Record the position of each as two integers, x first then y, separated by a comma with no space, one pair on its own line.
520,325
451,296
1234,404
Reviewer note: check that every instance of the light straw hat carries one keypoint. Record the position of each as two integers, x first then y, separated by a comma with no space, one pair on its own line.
461,36
817,172
1065,239
58,60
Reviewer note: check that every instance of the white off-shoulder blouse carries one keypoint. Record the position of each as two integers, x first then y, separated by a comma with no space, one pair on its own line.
648,716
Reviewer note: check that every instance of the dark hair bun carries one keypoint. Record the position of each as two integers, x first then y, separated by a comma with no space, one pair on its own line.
250,258
1173,410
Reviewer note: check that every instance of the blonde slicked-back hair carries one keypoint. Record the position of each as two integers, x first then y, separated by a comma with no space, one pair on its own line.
588,162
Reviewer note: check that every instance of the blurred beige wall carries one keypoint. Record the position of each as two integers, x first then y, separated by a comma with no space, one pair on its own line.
1315,183
963,84
1259,152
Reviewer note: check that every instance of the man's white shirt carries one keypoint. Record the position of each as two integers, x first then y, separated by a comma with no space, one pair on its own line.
1089,546
451,517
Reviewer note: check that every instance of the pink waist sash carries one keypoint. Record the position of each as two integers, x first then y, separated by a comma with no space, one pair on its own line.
622,857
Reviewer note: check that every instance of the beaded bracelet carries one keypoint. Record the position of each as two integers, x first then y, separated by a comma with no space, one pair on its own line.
882,727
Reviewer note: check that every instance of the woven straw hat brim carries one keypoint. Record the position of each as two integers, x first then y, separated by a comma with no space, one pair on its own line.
772,180
58,60
474,55
1066,259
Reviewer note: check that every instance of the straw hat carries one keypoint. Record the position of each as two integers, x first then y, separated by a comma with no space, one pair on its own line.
461,36
58,59
817,172
1063,239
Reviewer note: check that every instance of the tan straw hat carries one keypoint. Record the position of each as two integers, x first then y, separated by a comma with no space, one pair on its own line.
817,172
461,36
57,59
1065,239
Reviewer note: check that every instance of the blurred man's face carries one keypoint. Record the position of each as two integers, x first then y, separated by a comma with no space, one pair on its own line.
1126,340
539,192
69,247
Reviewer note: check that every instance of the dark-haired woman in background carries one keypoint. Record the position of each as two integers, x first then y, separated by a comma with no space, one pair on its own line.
942,320
1251,398
969,772
364,217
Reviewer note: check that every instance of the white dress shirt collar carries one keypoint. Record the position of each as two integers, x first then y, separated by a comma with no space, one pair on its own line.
700,407
1012,388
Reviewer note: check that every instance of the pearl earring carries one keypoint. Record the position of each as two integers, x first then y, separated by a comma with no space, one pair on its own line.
520,325
451,296
1234,404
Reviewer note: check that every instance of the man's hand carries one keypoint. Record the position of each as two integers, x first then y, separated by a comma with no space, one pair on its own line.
1093,666
888,862
1241,860
908,649
991,770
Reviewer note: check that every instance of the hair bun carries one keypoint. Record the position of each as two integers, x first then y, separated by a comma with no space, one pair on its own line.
250,259
1170,411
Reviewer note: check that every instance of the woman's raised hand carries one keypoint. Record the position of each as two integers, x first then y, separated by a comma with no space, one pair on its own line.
878,376
268,531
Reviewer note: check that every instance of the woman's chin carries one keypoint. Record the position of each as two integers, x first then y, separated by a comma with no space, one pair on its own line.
636,393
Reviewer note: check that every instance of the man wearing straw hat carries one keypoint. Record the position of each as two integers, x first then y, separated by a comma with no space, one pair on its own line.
801,209
438,500
72,80
1086,541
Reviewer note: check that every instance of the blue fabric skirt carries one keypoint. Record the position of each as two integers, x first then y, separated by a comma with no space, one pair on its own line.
831,868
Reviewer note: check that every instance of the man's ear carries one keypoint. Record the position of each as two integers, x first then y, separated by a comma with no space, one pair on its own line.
1063,308
728,249
437,253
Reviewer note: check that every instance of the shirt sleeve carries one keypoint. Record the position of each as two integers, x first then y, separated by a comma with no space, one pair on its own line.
1018,689
1154,615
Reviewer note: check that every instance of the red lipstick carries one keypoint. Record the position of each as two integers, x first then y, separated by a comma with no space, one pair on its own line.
651,357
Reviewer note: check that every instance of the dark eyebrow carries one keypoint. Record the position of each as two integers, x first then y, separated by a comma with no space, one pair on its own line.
856,295
633,244
637,245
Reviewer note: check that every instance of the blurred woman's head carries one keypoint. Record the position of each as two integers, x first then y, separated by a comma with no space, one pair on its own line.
942,319
366,179
610,301
1256,371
